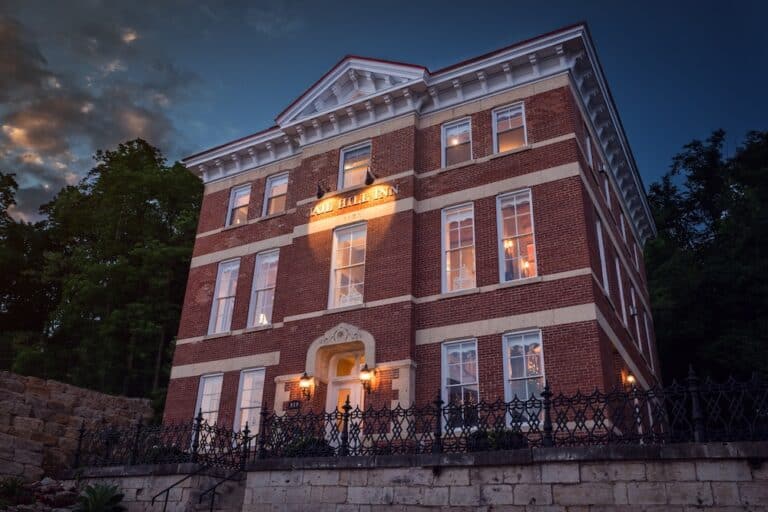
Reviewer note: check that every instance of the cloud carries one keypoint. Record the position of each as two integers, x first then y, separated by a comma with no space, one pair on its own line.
75,82
275,19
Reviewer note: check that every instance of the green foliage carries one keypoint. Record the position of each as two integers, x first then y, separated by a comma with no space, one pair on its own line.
308,446
100,498
505,439
13,491
94,293
707,267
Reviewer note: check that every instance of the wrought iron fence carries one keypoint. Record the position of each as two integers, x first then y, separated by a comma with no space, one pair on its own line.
691,412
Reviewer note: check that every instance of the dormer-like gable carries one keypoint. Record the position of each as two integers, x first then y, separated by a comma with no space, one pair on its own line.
352,80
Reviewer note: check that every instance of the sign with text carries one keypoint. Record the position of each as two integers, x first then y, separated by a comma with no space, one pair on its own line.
339,203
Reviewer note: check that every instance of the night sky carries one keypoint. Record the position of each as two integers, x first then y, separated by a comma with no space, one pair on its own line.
78,75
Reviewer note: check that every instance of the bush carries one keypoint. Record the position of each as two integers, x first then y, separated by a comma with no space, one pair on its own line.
309,447
100,498
14,492
485,441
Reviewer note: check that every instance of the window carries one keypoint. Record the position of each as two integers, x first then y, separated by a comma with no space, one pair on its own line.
509,128
523,365
263,292
460,384
517,250
249,396
348,266
621,290
637,260
354,166
648,338
588,145
275,194
633,312
623,228
607,189
224,297
208,397
239,198
458,248
457,142
601,249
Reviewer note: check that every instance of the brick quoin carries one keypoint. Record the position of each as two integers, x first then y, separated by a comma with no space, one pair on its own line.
586,344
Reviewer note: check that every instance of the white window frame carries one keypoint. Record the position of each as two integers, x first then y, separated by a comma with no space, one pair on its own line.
637,318
342,155
267,188
251,312
444,249
623,228
494,124
331,286
637,259
621,291
443,141
607,189
648,339
201,387
588,144
505,342
444,371
253,429
500,236
603,262
230,207
214,302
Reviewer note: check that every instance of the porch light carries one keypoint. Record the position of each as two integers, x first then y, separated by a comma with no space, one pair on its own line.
366,377
369,177
305,384
320,191
631,380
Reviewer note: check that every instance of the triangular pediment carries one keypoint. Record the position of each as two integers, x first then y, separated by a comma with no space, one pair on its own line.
352,80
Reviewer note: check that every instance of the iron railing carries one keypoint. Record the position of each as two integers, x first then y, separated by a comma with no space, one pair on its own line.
690,412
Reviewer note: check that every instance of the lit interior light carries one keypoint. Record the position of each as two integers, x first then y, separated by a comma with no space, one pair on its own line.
454,141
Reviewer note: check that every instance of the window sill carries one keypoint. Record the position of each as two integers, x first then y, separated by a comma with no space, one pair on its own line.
458,293
217,335
515,282
343,309
510,152
235,226
273,216
483,159
458,165
257,328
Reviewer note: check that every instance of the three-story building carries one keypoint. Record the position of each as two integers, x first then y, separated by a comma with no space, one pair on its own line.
476,230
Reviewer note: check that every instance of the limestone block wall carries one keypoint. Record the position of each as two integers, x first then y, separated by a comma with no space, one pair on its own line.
682,478
39,422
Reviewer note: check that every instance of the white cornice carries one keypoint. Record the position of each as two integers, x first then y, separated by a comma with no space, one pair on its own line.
383,90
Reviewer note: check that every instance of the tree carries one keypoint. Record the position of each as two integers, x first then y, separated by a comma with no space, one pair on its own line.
707,267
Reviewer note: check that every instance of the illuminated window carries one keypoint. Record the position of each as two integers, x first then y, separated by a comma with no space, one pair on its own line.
249,395
354,166
275,194
224,297
603,263
348,266
458,248
457,142
263,293
460,382
509,128
588,145
517,249
239,198
523,365
208,397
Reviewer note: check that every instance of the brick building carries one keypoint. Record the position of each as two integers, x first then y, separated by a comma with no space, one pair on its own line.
475,229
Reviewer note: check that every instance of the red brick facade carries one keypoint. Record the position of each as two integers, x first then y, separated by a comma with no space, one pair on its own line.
586,344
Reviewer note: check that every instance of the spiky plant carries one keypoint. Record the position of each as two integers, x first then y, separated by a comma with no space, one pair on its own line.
100,498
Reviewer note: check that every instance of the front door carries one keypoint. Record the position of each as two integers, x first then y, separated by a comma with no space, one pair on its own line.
344,381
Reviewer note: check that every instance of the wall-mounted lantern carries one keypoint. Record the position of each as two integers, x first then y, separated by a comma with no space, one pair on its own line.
630,381
369,177
305,384
366,378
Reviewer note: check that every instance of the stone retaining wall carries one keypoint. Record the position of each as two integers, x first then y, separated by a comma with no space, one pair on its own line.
682,478
39,420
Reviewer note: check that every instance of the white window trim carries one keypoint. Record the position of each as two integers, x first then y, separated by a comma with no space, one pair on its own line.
603,262
607,189
648,340
444,146
500,234
343,152
252,303
331,294
200,387
621,291
637,319
211,322
232,192
637,260
443,250
269,180
238,410
623,228
494,123
588,144
505,358
444,367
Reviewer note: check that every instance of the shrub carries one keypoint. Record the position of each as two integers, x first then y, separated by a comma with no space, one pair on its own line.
14,492
484,441
308,447
100,498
